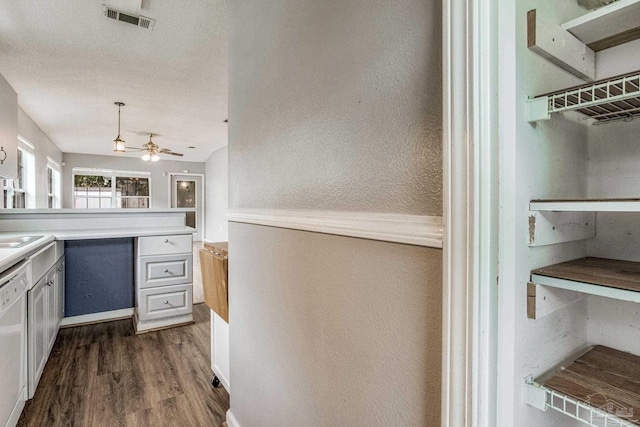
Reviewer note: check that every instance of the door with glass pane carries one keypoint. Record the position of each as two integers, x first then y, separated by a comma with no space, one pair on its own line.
185,193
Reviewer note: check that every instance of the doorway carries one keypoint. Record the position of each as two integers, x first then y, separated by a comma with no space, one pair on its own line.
186,193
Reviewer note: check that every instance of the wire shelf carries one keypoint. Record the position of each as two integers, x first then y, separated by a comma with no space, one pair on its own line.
616,98
544,398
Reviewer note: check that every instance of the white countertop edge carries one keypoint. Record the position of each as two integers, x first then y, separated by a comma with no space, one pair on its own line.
110,211
120,232
10,257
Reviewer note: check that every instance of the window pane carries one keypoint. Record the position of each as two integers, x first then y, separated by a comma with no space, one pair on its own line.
80,203
93,202
132,202
191,219
50,202
105,203
94,182
49,181
21,171
132,186
186,194
19,200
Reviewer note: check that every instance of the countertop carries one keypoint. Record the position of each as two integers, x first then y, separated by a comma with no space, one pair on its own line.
11,256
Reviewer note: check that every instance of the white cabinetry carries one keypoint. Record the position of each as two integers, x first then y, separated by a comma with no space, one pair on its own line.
164,275
44,313
8,130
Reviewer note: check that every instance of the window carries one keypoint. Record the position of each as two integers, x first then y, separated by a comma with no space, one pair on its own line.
53,184
99,189
20,193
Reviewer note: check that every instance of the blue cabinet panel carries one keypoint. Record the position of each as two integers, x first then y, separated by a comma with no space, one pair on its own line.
99,275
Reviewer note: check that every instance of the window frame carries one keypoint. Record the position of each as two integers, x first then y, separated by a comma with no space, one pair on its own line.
112,175
54,184
25,184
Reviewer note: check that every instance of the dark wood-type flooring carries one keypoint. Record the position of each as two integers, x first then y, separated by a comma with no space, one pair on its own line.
105,375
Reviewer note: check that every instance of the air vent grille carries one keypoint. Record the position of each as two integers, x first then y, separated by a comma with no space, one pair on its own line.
140,21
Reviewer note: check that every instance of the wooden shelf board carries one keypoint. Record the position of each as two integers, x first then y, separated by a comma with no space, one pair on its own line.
585,205
603,378
608,26
595,276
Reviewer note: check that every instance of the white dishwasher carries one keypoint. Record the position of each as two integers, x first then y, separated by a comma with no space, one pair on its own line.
14,283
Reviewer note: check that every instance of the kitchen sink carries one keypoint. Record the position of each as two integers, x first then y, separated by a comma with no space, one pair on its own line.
17,242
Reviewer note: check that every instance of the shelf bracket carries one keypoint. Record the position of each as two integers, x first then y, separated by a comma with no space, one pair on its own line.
560,47
550,228
538,109
535,395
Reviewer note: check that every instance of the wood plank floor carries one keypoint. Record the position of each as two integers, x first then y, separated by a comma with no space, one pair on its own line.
105,375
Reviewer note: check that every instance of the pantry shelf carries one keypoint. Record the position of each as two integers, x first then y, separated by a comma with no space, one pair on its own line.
595,276
608,26
600,388
615,98
585,205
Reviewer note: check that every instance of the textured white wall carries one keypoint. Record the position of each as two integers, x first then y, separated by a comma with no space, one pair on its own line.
217,195
337,105
43,148
159,182
334,105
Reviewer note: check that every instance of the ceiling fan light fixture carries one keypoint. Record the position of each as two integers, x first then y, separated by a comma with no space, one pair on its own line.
118,143
151,151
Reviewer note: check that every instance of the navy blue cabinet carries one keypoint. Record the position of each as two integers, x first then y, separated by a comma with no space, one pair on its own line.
99,275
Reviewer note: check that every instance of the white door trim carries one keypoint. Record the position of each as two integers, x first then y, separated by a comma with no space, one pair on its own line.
470,213
203,203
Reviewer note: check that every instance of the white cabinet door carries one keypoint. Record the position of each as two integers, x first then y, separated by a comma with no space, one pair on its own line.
37,333
59,292
8,130
52,308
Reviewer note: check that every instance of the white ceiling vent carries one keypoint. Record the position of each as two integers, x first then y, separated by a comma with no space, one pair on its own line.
140,21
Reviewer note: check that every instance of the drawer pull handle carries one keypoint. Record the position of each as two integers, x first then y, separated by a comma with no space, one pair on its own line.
166,240
166,302
166,270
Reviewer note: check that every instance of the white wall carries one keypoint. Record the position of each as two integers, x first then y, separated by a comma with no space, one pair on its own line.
546,160
217,195
43,148
334,105
159,173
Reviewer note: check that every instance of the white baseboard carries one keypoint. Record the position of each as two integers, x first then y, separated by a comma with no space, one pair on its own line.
231,420
124,313
417,230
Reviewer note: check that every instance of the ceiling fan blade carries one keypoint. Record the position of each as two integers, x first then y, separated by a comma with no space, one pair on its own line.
164,151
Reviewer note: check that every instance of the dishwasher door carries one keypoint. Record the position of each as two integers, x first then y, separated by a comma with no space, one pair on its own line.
13,343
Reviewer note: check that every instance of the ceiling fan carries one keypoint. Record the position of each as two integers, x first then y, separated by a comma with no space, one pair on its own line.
150,151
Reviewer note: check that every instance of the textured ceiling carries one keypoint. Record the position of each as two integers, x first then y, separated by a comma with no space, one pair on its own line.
69,64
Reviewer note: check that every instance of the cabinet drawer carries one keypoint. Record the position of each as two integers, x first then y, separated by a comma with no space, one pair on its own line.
163,302
164,245
42,261
164,270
